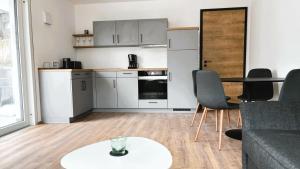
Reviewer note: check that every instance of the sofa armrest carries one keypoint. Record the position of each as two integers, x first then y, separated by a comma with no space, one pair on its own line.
270,115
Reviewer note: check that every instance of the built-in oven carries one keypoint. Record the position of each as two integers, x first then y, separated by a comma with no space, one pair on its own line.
153,85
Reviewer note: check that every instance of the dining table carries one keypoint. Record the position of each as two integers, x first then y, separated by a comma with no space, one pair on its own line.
237,133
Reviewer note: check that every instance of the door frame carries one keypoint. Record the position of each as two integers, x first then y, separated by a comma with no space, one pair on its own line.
245,33
20,17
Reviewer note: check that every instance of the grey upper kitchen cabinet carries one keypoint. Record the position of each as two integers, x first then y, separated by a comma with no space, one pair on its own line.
106,89
183,40
104,33
181,63
64,95
153,31
127,87
127,33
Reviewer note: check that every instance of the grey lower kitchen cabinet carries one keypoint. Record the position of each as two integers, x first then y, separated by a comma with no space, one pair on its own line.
104,33
153,31
181,63
116,89
106,92
82,95
127,33
183,40
65,95
127,87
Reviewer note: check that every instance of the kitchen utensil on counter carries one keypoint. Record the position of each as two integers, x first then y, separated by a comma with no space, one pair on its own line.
47,65
66,63
133,63
56,64
75,65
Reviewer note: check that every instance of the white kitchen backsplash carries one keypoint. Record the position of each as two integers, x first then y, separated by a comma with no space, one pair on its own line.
118,57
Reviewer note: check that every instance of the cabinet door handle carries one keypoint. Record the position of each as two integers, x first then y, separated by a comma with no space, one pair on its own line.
141,38
118,38
113,36
153,102
170,76
169,43
114,83
127,73
82,86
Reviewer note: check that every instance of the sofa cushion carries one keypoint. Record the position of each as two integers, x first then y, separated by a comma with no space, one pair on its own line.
273,148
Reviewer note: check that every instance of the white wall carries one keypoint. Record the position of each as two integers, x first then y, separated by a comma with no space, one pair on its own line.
52,42
275,34
179,13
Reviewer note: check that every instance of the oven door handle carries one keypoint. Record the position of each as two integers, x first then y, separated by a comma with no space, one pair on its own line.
153,78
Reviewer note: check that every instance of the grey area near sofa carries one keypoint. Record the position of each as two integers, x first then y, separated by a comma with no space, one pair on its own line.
271,135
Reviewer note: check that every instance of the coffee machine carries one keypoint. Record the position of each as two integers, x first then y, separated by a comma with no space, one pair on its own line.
132,58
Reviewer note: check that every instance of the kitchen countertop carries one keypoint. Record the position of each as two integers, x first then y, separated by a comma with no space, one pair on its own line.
99,70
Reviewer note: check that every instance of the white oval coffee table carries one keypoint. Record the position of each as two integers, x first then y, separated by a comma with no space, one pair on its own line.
143,154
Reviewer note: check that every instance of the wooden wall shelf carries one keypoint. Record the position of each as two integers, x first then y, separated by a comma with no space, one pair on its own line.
80,47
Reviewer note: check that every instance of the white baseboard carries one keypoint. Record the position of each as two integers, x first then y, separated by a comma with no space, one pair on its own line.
142,110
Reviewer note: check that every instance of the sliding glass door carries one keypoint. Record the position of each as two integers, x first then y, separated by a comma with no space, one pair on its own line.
12,112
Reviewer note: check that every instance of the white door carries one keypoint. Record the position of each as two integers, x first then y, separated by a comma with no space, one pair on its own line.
12,79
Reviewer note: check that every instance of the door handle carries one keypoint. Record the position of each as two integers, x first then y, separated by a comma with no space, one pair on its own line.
170,76
141,38
127,73
114,83
113,38
169,43
153,102
118,38
207,61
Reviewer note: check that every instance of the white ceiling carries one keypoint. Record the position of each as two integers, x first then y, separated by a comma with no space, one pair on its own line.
102,1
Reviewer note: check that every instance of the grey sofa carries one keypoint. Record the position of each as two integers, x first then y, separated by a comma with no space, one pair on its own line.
271,135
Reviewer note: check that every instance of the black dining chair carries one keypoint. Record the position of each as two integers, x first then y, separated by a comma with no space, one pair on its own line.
257,91
194,72
210,94
290,91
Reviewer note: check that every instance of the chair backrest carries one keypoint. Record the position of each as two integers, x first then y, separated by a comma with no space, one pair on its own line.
290,91
259,91
210,91
194,73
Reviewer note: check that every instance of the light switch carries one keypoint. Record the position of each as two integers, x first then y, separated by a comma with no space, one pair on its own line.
47,18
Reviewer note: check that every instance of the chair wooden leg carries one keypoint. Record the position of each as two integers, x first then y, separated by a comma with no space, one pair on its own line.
228,118
221,129
239,122
205,117
201,121
195,114
216,120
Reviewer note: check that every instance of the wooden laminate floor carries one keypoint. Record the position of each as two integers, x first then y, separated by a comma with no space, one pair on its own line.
42,146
